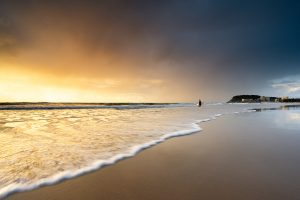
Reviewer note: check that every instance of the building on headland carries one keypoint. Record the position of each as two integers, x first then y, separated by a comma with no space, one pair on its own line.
273,99
277,100
259,99
285,98
264,99
269,99
250,101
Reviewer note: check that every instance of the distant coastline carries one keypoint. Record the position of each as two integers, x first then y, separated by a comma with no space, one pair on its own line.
55,106
81,103
259,99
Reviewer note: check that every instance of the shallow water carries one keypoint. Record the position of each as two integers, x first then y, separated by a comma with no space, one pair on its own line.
288,118
39,146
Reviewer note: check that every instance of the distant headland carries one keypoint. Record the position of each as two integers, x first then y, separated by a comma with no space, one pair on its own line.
259,99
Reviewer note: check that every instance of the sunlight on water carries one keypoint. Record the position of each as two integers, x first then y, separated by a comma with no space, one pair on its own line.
37,144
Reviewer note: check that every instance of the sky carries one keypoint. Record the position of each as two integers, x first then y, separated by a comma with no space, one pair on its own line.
148,51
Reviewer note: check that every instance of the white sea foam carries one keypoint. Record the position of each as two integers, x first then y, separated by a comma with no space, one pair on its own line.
214,104
218,115
110,135
13,188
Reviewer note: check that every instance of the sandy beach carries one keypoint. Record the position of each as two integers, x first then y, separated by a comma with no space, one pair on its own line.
246,156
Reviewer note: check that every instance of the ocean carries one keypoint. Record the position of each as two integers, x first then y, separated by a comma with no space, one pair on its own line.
42,143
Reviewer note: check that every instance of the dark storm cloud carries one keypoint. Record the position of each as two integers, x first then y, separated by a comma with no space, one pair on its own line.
231,31
7,37
229,41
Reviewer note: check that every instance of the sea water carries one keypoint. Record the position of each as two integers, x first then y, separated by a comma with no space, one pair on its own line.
42,144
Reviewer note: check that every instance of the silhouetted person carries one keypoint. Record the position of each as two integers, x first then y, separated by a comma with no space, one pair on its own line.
200,103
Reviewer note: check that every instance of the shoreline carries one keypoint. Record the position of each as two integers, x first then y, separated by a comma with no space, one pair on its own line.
87,181
98,165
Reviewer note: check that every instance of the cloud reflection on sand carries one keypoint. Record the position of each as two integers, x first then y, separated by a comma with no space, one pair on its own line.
288,120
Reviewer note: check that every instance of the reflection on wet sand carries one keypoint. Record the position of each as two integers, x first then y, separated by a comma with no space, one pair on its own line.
284,107
285,120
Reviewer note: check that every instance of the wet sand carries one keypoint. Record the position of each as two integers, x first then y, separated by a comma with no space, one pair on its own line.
244,156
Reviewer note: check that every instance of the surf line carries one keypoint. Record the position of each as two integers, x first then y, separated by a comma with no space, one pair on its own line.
68,174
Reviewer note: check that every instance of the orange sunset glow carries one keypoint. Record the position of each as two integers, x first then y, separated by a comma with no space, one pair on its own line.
115,52
22,85
47,54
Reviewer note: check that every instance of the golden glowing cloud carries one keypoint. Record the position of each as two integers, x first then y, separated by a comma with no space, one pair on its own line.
17,84
50,54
